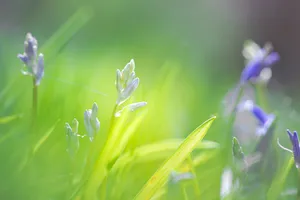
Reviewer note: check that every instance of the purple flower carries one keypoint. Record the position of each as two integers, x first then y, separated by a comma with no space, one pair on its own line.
264,120
259,61
33,64
296,148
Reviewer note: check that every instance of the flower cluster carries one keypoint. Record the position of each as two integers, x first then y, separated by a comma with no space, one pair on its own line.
91,122
126,82
33,63
258,62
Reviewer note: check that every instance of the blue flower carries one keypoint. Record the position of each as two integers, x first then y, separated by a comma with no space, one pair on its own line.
264,120
259,61
296,148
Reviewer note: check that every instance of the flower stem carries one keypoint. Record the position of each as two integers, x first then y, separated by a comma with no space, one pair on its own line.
99,170
185,195
230,125
196,184
261,97
34,101
298,186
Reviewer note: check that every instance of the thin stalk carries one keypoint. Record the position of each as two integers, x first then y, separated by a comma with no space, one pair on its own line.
298,187
196,184
71,177
100,174
34,101
261,97
236,100
112,119
185,196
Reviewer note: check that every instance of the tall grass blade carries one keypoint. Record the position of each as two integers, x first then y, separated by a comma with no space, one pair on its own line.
160,177
7,119
157,151
278,182
44,138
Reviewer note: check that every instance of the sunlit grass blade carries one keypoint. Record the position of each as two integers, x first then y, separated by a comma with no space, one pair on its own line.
160,177
7,119
158,151
128,133
100,170
198,160
44,138
278,182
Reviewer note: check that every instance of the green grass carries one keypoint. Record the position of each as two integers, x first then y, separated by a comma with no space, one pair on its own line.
133,155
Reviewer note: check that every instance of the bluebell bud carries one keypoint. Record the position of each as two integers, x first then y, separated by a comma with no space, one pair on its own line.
126,82
33,64
72,137
91,122
296,148
237,150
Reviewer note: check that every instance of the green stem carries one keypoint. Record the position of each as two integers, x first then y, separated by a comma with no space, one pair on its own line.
298,187
231,121
34,101
185,196
261,98
99,171
196,184
112,119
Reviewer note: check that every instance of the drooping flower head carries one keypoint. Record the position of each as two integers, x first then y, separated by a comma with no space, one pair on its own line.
91,122
33,63
264,120
258,62
296,148
126,82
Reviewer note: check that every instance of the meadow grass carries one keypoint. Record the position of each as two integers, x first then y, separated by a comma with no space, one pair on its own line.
139,153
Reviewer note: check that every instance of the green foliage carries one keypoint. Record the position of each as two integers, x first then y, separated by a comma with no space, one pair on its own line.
138,146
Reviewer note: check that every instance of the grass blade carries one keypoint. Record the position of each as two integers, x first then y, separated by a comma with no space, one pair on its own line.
44,138
128,133
156,151
7,119
278,182
160,177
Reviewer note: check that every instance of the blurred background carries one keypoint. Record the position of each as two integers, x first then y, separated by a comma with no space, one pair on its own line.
187,55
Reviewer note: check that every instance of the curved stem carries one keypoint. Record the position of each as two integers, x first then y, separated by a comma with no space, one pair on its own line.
286,149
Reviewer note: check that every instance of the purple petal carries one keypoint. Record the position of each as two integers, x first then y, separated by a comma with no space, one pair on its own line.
252,70
296,146
271,59
23,58
40,70
260,115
